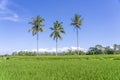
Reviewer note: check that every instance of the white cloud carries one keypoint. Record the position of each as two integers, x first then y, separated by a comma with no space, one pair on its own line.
6,13
64,49
42,50
11,18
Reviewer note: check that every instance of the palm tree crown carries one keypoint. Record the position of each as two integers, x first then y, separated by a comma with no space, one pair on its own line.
37,25
57,30
76,21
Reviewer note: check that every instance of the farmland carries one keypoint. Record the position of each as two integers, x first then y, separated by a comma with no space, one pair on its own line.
83,67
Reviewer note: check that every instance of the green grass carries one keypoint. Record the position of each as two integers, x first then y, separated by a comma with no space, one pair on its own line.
85,67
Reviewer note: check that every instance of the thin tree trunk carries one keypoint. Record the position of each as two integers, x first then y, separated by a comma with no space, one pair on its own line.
37,42
77,42
56,46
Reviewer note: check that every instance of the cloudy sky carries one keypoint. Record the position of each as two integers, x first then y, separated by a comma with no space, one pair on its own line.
101,23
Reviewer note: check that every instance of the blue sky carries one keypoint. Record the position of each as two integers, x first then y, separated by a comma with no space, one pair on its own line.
101,24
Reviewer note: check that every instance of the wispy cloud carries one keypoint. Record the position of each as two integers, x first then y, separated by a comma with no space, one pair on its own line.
6,13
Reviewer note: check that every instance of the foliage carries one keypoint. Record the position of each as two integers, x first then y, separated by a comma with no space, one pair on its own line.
24,53
76,21
57,30
99,49
36,25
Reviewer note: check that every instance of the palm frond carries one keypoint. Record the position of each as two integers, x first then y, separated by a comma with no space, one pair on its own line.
60,36
57,30
51,28
41,29
30,29
37,25
76,21
51,35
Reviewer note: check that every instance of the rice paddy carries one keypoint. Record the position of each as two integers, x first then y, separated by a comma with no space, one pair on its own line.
83,67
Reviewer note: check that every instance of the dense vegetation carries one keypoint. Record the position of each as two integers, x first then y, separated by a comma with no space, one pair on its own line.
98,49
85,67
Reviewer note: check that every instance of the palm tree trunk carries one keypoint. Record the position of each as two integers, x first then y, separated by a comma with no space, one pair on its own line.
56,46
37,42
77,42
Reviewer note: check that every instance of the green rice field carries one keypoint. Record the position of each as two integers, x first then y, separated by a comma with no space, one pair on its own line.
83,67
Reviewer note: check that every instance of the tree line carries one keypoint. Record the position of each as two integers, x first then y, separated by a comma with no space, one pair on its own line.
97,49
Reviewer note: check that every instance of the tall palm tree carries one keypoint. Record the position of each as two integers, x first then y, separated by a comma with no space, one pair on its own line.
37,26
77,22
56,34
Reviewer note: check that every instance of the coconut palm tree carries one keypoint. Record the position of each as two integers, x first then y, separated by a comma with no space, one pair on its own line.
77,22
57,30
37,26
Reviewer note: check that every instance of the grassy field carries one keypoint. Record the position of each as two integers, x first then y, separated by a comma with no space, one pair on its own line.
83,67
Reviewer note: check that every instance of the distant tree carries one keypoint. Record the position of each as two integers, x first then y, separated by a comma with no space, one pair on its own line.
115,46
109,50
100,48
14,54
118,47
70,51
82,52
92,50
37,26
57,30
21,53
77,22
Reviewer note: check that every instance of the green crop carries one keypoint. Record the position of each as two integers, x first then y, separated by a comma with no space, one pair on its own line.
98,67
